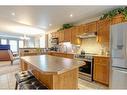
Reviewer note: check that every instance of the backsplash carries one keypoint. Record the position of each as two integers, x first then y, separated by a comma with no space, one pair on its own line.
90,45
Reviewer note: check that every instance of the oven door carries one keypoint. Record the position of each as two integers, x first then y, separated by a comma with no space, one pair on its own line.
85,71
86,68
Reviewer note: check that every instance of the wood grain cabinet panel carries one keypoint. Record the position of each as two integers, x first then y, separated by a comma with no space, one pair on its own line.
101,70
117,19
74,39
91,27
103,32
67,35
61,36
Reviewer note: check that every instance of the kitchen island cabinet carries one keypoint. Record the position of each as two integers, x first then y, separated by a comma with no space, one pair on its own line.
54,72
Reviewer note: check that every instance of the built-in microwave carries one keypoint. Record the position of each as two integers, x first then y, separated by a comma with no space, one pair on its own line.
54,41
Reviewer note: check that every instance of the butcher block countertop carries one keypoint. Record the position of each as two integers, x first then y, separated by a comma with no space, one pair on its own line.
51,64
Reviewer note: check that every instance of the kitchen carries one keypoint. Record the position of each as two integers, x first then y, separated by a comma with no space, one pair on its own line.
76,54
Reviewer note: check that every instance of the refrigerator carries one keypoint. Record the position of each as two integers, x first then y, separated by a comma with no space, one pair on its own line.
118,48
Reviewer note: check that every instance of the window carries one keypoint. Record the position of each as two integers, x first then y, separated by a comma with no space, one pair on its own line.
42,41
21,44
13,45
3,41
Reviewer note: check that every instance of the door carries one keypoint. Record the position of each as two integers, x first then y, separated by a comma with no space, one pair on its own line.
118,78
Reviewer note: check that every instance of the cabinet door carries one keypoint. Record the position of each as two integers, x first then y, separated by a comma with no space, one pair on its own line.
103,31
101,70
67,35
91,27
61,36
74,39
81,29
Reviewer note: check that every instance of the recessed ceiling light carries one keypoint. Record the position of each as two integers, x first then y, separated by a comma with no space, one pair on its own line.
71,15
13,14
50,24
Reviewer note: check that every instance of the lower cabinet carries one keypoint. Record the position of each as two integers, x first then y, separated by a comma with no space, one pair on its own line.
101,70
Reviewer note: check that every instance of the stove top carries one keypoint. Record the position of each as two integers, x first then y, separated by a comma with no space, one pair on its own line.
86,56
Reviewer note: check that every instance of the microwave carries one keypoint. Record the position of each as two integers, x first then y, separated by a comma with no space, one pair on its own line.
54,41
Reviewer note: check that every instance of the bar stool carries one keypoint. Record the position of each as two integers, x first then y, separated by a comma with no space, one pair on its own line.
32,84
26,80
23,76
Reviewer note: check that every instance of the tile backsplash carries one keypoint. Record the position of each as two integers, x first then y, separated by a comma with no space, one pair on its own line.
90,45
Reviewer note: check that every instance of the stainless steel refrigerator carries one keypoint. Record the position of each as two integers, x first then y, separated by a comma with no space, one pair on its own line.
118,47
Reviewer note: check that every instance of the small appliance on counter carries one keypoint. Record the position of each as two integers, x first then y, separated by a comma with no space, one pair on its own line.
54,49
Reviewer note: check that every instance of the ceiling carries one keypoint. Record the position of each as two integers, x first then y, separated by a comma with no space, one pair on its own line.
45,18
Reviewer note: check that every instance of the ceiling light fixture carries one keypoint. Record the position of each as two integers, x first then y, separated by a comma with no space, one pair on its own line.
13,14
71,15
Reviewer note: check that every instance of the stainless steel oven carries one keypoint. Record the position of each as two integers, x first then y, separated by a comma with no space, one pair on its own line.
86,71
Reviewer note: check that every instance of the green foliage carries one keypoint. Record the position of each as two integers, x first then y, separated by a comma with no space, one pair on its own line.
65,26
114,12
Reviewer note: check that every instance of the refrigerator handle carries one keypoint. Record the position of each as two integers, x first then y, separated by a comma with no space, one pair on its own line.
119,46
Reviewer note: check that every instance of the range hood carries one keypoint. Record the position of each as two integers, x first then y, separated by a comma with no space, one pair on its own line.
88,35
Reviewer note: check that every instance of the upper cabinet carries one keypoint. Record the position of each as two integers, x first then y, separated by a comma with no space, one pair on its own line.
67,35
61,36
91,27
117,19
102,27
103,31
80,29
74,39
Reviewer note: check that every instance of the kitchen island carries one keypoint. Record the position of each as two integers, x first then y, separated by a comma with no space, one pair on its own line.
54,72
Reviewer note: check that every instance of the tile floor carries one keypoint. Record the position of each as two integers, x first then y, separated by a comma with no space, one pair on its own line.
7,78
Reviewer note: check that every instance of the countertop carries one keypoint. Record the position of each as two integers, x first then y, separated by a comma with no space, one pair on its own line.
52,64
99,55
61,52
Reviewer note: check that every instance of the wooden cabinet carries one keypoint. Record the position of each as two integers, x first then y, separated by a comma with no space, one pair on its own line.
91,27
74,39
117,19
103,31
67,35
61,36
101,69
80,29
